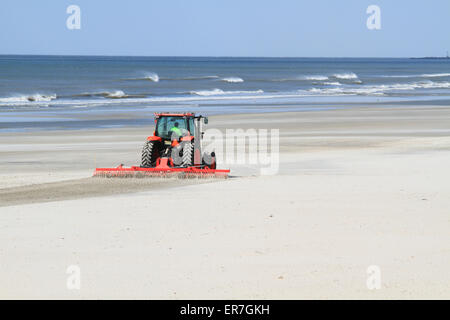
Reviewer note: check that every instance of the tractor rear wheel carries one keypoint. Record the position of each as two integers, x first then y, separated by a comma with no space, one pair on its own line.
209,159
150,154
213,163
188,154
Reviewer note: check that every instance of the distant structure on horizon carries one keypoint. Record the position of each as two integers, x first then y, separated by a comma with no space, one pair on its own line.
446,57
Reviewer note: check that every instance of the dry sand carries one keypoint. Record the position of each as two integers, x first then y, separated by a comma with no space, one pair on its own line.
356,187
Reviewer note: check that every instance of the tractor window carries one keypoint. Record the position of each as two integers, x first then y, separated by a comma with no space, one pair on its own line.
192,126
165,124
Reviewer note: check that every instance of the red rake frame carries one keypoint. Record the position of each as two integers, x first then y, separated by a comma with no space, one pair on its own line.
160,171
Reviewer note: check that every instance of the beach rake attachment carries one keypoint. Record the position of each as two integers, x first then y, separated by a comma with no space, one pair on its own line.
160,171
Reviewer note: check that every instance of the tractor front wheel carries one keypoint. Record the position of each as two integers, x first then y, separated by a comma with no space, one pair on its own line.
150,154
188,154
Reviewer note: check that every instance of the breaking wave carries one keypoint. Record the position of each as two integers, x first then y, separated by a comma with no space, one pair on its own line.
345,76
233,79
301,78
425,75
29,98
382,89
432,75
319,77
316,78
116,94
193,78
216,92
156,78
150,76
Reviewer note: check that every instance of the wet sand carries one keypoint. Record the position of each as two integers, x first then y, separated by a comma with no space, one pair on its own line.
86,188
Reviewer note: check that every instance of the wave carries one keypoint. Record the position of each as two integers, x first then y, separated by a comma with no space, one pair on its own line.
211,95
345,76
299,78
216,92
29,98
337,90
208,92
233,79
432,75
155,78
119,94
433,85
381,89
425,75
90,94
316,78
112,97
150,76
193,78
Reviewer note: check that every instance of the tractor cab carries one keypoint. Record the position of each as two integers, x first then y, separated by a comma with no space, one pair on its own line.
177,140
183,124
167,127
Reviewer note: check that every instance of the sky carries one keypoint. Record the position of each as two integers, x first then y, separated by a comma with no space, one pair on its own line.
256,28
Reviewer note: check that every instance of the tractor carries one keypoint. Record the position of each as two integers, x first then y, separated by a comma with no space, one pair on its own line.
174,149
177,142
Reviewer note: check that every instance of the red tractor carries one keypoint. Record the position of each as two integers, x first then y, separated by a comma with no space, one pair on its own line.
175,148
176,142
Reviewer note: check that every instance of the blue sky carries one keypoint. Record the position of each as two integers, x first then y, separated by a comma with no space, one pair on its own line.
295,28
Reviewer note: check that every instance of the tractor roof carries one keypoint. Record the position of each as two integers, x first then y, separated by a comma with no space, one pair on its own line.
174,114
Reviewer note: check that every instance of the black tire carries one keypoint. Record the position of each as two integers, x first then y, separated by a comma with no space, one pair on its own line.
209,159
150,154
188,154
213,164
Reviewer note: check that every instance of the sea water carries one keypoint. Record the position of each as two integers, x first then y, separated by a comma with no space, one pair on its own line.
67,92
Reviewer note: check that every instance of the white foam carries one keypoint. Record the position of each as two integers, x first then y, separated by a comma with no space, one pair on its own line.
302,78
333,83
233,79
382,89
432,75
345,76
29,98
152,76
425,75
215,92
316,77
326,91
433,85
116,94
195,78
208,92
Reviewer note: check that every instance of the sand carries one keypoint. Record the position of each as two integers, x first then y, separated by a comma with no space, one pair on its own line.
357,187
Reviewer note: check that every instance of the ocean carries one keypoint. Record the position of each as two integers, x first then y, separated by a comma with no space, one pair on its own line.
76,92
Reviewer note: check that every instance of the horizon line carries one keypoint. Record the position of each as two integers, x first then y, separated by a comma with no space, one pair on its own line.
206,56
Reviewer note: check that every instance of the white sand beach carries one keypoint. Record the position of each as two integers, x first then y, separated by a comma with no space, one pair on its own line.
356,187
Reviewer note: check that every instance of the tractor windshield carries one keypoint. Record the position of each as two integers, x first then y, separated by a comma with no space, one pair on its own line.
168,125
